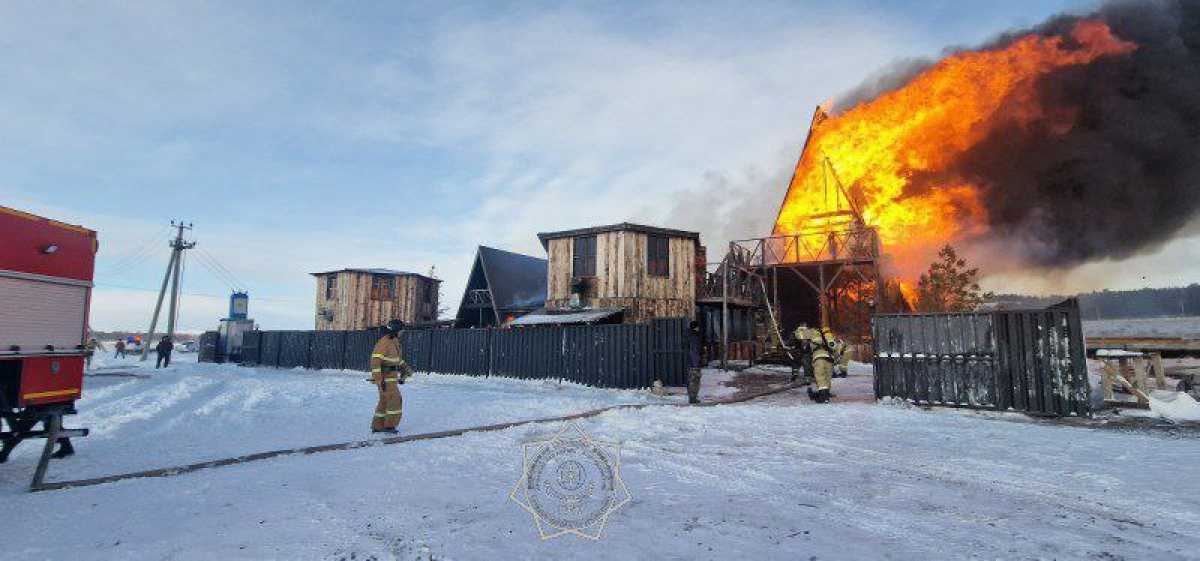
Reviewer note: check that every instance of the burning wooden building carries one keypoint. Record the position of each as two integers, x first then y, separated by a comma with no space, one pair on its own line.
820,267
350,299
640,272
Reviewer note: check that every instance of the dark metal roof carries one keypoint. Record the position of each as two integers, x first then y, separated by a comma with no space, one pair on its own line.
392,272
622,227
517,282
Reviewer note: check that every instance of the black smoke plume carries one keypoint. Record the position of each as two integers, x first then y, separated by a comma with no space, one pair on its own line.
1126,178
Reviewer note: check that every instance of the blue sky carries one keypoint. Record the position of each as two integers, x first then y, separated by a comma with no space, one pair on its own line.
302,137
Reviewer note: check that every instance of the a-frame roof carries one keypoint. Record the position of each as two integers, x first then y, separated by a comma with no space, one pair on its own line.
516,281
515,284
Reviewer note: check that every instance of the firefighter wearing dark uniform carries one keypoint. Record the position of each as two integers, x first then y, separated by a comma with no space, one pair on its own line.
388,370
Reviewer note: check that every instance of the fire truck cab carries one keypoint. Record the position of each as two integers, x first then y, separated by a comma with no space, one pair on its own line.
46,271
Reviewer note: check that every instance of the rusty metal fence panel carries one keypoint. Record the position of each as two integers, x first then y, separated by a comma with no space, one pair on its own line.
616,356
1013,360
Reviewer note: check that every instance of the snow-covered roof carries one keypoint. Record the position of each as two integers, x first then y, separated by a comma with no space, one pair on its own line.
582,316
1118,353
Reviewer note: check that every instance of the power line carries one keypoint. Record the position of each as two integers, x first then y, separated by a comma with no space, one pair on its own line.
138,254
146,243
179,289
223,279
213,259
228,274
120,270
216,273
198,294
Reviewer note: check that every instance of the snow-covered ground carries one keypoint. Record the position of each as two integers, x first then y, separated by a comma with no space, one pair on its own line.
775,478
1181,327
1165,403
193,412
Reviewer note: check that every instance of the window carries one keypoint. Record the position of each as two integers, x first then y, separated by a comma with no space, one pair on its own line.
583,259
658,256
383,287
427,297
330,287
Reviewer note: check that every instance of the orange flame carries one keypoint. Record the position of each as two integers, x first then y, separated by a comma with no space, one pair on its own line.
908,293
875,148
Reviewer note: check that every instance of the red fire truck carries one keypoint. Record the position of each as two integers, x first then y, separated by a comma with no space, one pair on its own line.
46,271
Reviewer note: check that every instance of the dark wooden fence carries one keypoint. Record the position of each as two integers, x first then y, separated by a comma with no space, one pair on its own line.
1019,360
612,356
209,350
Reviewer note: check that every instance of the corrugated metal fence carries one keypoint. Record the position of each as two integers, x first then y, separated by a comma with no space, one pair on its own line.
613,356
1020,360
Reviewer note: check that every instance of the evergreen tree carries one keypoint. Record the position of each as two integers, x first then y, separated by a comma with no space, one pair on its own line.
949,286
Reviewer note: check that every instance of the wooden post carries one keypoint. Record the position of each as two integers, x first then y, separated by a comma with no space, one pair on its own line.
158,307
1140,366
1130,371
822,299
1110,374
52,423
1141,395
173,309
1160,376
725,308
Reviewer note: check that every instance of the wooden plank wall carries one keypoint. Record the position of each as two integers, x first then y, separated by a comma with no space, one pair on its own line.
622,280
354,309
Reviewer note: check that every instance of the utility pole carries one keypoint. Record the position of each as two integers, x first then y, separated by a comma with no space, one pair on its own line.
172,275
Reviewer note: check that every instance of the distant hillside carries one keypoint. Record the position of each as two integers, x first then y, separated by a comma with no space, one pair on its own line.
1122,304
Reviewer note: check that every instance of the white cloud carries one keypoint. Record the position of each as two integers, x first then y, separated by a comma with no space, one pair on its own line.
255,125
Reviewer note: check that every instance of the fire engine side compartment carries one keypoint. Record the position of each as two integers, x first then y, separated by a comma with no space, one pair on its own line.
42,380
51,379
46,271
40,246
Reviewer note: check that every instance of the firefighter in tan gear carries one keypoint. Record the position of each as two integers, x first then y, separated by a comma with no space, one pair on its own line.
827,350
388,370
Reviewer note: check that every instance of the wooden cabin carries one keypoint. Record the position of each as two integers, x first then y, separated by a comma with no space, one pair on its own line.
643,271
350,299
503,286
